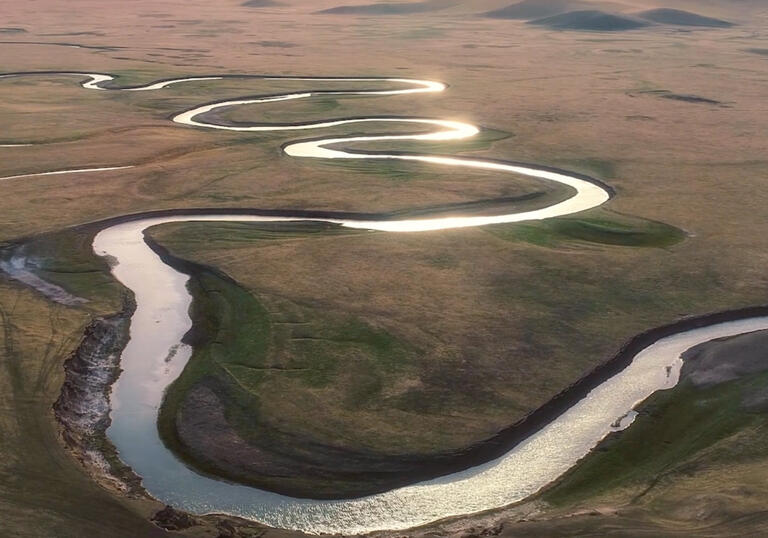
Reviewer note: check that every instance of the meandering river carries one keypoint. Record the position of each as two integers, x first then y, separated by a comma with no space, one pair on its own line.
155,356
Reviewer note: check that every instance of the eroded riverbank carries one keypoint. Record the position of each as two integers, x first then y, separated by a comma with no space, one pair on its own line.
642,340
160,322
83,407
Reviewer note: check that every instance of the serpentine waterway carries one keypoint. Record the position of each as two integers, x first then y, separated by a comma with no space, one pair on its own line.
161,319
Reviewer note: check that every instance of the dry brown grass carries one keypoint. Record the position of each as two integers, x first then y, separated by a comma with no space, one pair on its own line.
497,311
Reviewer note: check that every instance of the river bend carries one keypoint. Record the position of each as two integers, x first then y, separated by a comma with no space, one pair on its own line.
161,319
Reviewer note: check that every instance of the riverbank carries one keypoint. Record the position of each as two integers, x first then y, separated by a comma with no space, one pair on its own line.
567,101
83,407
674,456
402,470
536,515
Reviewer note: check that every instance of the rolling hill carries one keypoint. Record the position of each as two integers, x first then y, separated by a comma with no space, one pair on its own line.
678,17
591,20
385,8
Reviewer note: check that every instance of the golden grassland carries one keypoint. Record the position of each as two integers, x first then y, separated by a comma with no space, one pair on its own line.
502,318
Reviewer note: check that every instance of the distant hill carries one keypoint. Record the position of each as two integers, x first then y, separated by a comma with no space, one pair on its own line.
682,18
535,9
261,3
387,8
591,20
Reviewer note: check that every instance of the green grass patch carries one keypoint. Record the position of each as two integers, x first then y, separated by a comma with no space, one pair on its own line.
223,350
670,436
66,259
247,365
598,227
255,350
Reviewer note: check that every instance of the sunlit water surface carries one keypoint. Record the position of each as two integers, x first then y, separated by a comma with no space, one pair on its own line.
161,320
154,356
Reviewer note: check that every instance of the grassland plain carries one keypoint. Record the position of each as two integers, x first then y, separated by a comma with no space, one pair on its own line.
383,414
532,317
